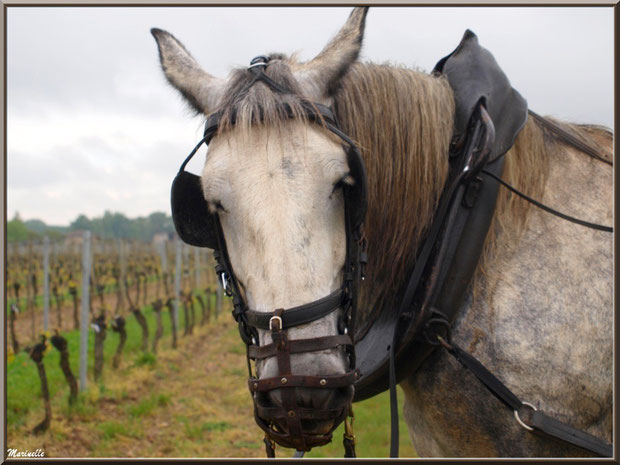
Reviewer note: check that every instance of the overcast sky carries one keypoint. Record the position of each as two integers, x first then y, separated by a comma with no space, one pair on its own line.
93,126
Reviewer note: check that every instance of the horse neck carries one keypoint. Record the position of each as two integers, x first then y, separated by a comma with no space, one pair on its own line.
402,121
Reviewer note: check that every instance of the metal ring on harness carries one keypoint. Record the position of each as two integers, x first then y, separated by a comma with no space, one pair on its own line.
529,428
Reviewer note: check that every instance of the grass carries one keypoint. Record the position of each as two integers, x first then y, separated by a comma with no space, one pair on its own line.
112,429
197,431
189,402
148,405
371,428
23,385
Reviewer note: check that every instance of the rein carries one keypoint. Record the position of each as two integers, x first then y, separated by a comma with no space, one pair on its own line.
569,138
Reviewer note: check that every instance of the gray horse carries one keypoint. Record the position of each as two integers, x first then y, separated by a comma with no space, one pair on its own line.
539,311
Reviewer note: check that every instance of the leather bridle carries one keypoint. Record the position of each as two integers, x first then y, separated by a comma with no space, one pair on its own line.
290,414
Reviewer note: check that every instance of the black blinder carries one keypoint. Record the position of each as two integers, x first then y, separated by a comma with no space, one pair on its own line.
194,223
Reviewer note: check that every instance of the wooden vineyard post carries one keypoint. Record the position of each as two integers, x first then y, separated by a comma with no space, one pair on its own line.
57,298
197,284
158,277
121,274
177,280
85,309
61,345
46,282
35,289
170,305
144,277
74,295
190,314
186,321
31,296
12,315
36,354
116,275
16,287
196,268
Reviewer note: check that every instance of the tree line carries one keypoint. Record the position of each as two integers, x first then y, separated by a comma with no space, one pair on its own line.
112,225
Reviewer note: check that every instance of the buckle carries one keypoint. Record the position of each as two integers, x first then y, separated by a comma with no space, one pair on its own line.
276,318
260,60
225,284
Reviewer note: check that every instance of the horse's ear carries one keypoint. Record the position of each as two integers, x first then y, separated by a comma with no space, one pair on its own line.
320,77
201,90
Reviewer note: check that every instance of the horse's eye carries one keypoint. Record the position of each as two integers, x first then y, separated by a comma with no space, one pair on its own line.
346,180
216,206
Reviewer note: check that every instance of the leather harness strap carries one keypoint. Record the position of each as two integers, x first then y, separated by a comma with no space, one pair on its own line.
569,138
572,219
287,380
537,421
297,346
298,315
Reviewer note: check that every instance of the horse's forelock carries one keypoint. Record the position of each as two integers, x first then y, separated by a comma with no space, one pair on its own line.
246,105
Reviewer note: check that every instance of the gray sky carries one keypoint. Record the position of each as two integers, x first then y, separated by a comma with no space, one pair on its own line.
93,126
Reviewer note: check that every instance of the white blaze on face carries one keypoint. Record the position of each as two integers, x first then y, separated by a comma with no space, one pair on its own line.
282,212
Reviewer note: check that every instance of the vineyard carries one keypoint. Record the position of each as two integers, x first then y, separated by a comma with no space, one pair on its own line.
127,349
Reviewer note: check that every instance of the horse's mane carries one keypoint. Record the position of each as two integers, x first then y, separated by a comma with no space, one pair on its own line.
402,121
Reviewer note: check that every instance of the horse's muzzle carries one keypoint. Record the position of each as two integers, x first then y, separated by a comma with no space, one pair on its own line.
302,417
301,411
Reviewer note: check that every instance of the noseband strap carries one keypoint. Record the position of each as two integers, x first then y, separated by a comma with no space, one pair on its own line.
297,346
298,315
307,381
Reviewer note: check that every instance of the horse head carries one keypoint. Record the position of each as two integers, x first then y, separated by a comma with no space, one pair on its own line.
282,199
